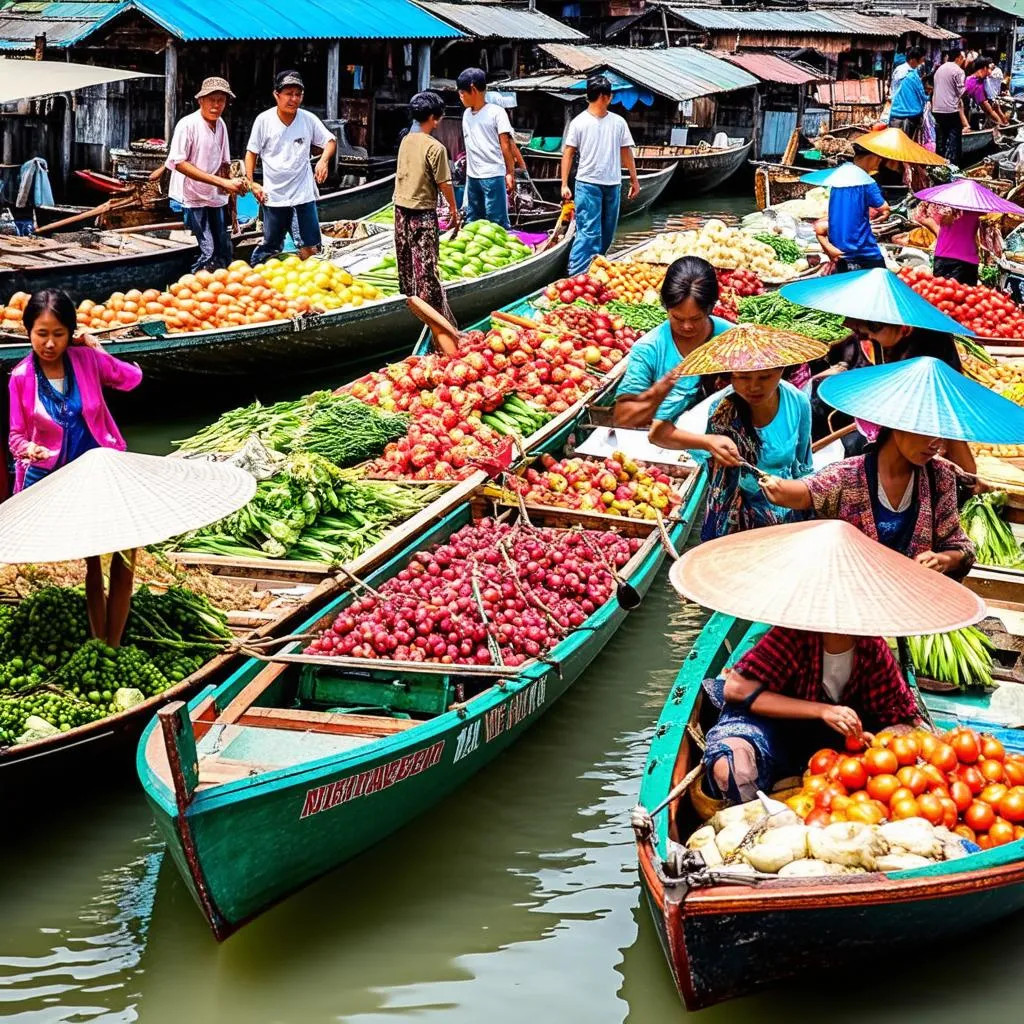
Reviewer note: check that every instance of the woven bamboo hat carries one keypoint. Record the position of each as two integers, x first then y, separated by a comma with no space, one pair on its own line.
824,576
108,500
894,144
752,347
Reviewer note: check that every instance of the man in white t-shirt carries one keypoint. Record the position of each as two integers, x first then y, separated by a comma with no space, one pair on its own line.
199,161
490,158
604,145
283,138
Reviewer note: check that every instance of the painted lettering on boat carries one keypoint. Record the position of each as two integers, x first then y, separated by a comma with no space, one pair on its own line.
512,712
467,741
323,798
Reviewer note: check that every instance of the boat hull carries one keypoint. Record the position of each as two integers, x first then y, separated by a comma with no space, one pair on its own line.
244,846
652,185
356,202
696,173
725,941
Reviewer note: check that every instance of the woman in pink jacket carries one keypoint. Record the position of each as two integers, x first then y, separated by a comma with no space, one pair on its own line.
57,406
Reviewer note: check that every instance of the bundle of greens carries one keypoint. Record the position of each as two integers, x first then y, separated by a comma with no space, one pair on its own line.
772,310
993,540
786,250
963,657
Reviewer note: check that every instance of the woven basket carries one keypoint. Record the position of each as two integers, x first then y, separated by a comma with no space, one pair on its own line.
705,806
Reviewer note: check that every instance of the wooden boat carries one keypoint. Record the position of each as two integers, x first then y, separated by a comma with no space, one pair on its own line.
358,201
258,788
778,183
728,940
105,183
317,342
546,176
697,170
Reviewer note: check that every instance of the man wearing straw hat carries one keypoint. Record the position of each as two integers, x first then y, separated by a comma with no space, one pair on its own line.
199,160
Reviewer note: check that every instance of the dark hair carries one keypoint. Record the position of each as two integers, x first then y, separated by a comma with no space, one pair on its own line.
690,277
746,417
979,64
915,53
471,78
921,342
598,86
951,55
425,105
51,300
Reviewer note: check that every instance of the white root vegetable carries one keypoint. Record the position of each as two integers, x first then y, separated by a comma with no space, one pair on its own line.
729,839
750,812
768,854
912,835
804,868
902,862
848,843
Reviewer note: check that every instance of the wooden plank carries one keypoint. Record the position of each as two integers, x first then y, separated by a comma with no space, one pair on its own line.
325,721
249,693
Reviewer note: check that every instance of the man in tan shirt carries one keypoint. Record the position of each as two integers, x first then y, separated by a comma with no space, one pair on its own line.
422,172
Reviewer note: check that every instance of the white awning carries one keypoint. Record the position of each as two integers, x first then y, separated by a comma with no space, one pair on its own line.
29,79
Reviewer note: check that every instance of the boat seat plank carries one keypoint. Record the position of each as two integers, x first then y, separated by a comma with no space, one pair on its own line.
214,771
238,707
325,721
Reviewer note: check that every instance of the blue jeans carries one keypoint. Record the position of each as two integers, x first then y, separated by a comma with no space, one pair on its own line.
597,216
210,226
278,221
486,199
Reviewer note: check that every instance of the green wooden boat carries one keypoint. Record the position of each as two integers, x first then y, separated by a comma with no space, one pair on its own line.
272,779
728,940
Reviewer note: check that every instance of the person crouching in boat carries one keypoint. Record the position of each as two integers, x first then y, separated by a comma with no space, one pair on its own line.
762,423
897,493
653,386
790,695
56,393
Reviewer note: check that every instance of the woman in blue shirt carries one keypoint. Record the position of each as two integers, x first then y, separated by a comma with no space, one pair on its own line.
652,383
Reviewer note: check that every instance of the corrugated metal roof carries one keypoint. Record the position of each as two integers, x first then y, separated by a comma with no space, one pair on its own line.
66,24
493,21
770,67
681,73
718,19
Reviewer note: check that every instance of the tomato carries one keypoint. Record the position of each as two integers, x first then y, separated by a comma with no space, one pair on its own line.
965,744
930,808
993,793
943,757
882,787
862,796
950,815
1018,832
979,816
822,761
991,769
961,795
901,794
819,816
1011,807
914,779
992,748
869,813
906,749
852,773
973,778
840,804
855,744
825,796
879,761
814,784
906,807
927,742
984,842
965,832
934,776
1001,832
1014,772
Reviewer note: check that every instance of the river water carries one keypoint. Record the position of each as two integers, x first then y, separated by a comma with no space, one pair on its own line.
514,900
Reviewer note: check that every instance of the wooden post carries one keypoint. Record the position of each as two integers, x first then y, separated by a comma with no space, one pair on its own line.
170,89
180,745
333,79
758,124
423,67
67,140
664,25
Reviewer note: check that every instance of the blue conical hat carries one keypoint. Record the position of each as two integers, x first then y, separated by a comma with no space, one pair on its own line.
843,176
877,295
926,396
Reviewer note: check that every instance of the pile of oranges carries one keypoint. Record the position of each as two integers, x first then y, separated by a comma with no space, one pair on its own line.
963,779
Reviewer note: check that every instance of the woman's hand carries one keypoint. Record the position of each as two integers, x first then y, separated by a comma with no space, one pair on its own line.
939,562
88,340
723,450
772,487
36,452
844,720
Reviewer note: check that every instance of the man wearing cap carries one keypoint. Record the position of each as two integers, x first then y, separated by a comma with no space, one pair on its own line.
283,139
199,160
846,235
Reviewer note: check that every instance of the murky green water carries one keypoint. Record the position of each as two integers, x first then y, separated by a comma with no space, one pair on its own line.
515,900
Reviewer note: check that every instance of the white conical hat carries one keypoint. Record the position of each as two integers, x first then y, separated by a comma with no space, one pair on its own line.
824,576
108,500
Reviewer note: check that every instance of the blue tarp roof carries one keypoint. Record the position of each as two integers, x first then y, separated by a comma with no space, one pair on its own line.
226,20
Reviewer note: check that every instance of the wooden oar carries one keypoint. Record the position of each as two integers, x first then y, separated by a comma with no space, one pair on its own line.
834,436
445,334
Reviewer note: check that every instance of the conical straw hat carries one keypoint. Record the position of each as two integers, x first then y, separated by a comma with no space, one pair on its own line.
926,396
752,347
843,176
876,294
108,500
971,195
824,576
894,144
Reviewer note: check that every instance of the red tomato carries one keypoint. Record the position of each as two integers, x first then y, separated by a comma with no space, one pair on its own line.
879,761
882,787
965,832
906,749
819,816
979,816
973,778
852,773
961,795
906,807
1001,832
991,769
930,808
992,749
1011,807
822,761
914,779
965,744
993,793
1014,772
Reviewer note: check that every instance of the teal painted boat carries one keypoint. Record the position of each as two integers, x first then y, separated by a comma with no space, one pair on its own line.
728,940
259,787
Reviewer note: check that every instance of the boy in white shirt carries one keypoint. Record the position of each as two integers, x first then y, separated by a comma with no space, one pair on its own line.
490,158
605,145
283,138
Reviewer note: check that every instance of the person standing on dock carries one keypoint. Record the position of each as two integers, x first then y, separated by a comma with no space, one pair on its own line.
948,107
284,138
490,153
604,144
422,172
908,96
199,161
